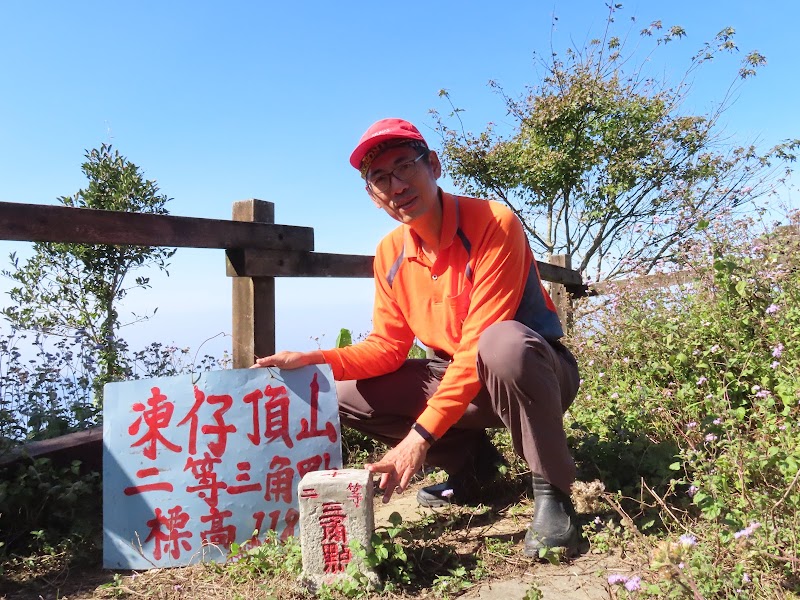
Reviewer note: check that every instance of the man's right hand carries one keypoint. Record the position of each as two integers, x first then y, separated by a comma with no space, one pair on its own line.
290,360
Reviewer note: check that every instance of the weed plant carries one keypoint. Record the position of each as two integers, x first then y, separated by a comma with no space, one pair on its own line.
688,412
48,510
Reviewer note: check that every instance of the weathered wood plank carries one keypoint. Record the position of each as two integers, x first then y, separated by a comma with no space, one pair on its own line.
253,298
560,294
656,280
43,223
557,274
82,445
255,263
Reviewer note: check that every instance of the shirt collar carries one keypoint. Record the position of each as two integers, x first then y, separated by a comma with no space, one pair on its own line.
411,245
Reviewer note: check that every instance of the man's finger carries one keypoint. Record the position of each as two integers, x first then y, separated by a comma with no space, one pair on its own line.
379,467
405,479
387,485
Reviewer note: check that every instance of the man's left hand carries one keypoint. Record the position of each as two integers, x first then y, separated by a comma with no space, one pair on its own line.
399,464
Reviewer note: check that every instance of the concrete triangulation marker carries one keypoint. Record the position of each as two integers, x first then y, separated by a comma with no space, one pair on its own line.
335,509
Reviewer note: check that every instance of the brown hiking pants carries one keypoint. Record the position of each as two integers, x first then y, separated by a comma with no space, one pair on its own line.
528,383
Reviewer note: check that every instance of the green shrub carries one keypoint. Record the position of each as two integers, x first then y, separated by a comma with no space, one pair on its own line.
44,507
689,410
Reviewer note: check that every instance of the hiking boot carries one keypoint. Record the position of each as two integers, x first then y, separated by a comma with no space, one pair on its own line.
553,524
465,485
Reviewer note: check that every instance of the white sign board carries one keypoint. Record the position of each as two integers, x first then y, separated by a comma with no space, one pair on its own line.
193,464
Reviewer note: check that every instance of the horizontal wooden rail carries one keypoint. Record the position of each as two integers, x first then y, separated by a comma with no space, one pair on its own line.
71,443
274,263
271,263
45,223
655,280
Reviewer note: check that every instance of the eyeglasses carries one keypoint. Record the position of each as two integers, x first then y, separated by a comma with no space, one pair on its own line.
403,172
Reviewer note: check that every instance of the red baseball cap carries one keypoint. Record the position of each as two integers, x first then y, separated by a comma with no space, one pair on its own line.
381,131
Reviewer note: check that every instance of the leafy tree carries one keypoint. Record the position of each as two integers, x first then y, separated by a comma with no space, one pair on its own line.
603,165
66,289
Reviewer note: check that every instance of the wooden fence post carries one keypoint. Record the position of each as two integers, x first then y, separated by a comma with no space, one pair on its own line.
561,297
253,298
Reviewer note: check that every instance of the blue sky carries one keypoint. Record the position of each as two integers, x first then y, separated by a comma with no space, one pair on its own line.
225,101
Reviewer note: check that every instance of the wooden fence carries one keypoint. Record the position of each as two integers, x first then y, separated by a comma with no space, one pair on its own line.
257,251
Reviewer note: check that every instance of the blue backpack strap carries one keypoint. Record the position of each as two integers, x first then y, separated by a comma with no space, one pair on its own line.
395,267
464,240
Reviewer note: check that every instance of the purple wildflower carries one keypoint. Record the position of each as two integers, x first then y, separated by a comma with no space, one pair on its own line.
774,364
718,421
772,309
616,579
633,584
691,425
745,578
702,380
688,539
693,489
747,531
777,351
710,437
763,394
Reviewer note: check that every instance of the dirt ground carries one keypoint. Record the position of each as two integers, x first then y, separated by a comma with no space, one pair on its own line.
509,575
583,578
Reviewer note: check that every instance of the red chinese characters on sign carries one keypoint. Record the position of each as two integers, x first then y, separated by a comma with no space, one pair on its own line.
167,532
308,428
276,409
219,428
279,480
335,552
242,478
203,471
155,418
313,463
161,486
218,533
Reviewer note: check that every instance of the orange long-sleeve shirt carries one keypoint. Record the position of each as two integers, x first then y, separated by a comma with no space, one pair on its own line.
478,279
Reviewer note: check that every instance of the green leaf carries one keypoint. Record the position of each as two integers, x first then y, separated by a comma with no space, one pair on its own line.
344,338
